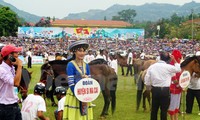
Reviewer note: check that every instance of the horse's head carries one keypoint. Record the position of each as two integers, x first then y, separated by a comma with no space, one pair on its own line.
46,70
24,83
192,64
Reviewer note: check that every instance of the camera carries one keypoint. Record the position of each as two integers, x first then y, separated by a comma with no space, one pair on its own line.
12,59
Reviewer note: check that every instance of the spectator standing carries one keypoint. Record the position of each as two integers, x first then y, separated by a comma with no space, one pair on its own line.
129,62
29,57
9,81
193,91
101,54
159,76
89,57
113,62
142,55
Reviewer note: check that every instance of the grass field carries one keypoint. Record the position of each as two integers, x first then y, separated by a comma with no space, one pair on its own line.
126,101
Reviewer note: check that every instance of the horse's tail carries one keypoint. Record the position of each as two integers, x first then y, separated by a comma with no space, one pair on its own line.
113,94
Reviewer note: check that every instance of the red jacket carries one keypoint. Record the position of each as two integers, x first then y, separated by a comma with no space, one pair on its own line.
175,88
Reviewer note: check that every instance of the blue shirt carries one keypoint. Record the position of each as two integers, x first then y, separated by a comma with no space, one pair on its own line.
74,75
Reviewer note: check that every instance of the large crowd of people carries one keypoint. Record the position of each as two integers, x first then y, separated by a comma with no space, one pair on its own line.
160,76
44,47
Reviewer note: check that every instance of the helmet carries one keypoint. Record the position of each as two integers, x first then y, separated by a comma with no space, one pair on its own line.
60,90
39,88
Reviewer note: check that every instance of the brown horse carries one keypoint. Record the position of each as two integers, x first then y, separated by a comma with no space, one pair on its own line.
122,61
191,64
55,72
140,84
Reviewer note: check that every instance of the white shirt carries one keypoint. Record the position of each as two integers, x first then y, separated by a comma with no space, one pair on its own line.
114,65
29,53
61,103
101,57
88,58
194,83
142,55
31,105
130,55
160,74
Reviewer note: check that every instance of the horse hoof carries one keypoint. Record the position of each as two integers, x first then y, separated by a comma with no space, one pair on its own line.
54,104
145,110
102,117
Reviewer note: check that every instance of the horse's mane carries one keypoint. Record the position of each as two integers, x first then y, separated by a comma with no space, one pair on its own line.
98,61
64,62
61,62
187,60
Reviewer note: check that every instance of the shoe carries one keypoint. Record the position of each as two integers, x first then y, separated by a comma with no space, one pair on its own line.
93,105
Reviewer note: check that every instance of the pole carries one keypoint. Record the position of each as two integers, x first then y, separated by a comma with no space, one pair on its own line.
192,23
183,104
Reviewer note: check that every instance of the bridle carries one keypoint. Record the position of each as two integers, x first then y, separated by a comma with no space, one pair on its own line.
51,73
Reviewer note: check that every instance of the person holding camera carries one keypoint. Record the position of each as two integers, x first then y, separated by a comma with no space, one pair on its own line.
9,81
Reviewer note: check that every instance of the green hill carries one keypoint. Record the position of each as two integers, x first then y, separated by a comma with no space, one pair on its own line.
25,15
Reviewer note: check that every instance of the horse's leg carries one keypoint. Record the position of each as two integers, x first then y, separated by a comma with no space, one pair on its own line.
144,100
146,94
53,103
140,87
113,89
106,104
122,70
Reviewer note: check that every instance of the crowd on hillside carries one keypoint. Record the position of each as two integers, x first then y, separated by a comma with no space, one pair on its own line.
148,46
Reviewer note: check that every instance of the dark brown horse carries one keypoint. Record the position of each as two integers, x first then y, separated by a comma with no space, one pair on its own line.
24,83
55,72
191,64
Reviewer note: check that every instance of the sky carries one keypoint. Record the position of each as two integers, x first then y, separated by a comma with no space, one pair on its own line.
61,8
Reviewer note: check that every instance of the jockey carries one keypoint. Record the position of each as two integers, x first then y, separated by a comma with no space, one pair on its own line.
60,93
34,105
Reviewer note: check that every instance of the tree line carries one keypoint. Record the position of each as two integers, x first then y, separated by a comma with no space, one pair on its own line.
173,27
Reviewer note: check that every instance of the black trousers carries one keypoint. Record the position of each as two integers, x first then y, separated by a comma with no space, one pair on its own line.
10,112
29,62
191,94
129,68
160,99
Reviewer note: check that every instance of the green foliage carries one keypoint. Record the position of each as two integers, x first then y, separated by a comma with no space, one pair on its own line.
8,22
125,15
174,27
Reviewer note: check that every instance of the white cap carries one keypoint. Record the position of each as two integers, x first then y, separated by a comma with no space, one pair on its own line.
198,53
